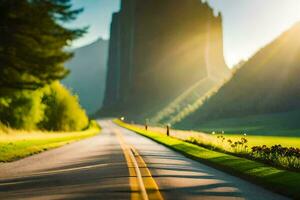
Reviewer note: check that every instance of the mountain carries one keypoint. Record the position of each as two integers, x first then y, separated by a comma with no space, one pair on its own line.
266,84
88,74
184,104
158,50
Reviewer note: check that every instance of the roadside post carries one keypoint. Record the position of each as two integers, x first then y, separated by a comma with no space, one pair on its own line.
168,130
146,124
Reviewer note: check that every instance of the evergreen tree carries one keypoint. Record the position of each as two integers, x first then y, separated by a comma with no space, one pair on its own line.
32,41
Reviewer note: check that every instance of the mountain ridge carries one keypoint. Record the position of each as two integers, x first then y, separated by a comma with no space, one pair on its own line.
267,83
88,74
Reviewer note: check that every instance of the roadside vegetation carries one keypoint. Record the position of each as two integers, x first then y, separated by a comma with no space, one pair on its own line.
36,111
276,155
278,151
277,179
52,108
17,144
32,55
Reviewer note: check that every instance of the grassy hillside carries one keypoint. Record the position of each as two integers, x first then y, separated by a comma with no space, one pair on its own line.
185,102
267,84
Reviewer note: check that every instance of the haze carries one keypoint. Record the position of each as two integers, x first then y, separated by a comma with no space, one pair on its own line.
248,24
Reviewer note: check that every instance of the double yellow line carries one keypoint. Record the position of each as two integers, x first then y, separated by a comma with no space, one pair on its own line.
142,184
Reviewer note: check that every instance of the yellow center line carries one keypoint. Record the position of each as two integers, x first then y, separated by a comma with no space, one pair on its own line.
134,186
149,184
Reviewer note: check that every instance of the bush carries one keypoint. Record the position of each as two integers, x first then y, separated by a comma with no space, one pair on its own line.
51,108
63,111
21,109
278,156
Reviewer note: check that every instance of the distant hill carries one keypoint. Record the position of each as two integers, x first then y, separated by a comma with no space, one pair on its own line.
158,51
88,74
266,84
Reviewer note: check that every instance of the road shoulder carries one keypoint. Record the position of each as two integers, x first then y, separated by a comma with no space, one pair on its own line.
279,181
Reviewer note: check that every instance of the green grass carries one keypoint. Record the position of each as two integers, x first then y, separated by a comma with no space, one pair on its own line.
281,181
253,140
16,144
279,124
269,141
220,142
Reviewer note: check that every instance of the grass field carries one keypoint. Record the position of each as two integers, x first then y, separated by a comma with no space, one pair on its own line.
253,140
227,143
15,144
257,140
279,124
278,180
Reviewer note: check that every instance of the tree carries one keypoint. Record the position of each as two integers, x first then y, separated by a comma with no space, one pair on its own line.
32,41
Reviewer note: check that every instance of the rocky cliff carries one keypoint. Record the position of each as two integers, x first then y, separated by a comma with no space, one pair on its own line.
159,49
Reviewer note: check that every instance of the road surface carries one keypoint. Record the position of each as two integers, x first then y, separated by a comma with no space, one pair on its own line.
102,167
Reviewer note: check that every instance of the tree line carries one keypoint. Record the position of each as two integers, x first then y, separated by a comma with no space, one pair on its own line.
33,38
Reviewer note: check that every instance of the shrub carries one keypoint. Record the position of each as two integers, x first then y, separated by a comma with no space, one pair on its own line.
284,157
278,155
51,108
21,109
62,111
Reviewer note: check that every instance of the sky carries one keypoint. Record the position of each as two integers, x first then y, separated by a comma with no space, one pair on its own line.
97,15
248,24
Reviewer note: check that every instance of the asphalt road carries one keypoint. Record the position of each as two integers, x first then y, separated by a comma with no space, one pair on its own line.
98,168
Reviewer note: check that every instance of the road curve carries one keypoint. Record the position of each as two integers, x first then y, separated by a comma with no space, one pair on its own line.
97,168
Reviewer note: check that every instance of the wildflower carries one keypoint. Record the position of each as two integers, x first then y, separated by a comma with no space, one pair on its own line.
244,140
